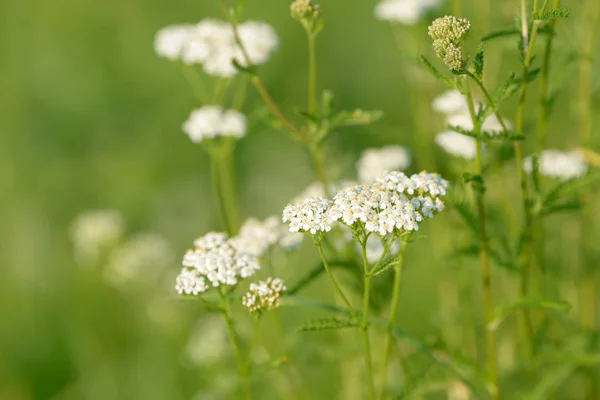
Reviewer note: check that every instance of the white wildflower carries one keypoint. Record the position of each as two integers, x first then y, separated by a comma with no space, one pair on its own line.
457,144
450,102
406,12
141,257
264,295
560,165
94,232
215,260
170,41
256,237
417,184
309,216
210,122
375,162
212,44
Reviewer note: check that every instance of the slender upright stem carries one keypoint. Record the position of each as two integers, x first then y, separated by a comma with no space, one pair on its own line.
338,289
365,323
241,362
387,348
195,82
316,152
230,196
312,74
215,171
488,301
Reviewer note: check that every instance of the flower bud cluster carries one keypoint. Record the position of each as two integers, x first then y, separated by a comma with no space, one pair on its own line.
448,34
264,295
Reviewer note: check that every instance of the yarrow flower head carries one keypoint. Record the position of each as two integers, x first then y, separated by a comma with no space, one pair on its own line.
559,165
302,9
210,122
94,232
448,34
264,295
309,216
215,260
375,162
406,12
212,44
394,203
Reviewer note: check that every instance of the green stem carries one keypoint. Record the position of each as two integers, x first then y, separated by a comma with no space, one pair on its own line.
525,251
392,317
316,152
195,82
312,74
241,364
217,190
488,301
338,289
229,189
365,323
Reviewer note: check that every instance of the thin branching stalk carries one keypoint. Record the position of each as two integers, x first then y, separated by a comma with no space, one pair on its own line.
338,289
317,156
312,73
241,362
387,348
195,82
365,322
227,171
488,301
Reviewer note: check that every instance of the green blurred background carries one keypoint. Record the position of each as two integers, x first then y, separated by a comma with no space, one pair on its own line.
90,118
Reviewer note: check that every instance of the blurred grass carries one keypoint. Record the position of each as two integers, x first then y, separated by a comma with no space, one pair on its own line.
90,118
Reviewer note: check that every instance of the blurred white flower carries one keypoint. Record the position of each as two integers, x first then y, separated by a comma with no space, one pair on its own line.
170,41
214,261
309,216
457,144
209,122
94,232
264,295
450,102
141,257
406,12
559,165
375,162
256,237
207,343
212,44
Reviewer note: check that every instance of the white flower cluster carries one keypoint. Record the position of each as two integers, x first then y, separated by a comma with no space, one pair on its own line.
209,122
141,257
406,12
214,261
94,232
394,202
264,295
560,165
448,34
375,162
212,44
311,216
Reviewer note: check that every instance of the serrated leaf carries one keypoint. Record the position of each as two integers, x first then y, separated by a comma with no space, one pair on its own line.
478,62
356,117
476,181
502,313
531,76
467,214
485,136
507,89
323,324
315,272
568,206
559,13
436,73
561,190
501,33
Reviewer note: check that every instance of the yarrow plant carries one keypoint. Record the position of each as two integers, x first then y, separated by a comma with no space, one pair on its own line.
360,228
